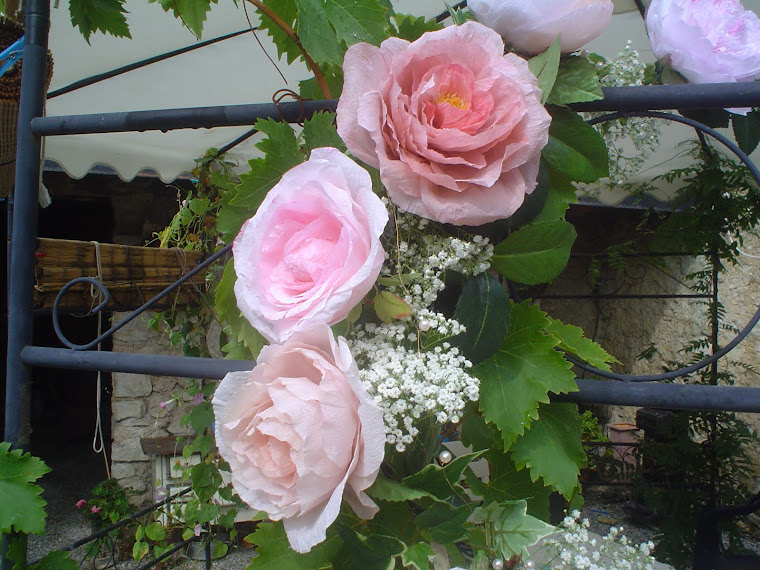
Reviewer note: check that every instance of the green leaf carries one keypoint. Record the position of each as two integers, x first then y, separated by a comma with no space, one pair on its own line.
357,21
418,556
575,149
390,307
559,197
55,560
191,12
139,550
374,552
576,81
444,522
442,482
483,308
411,28
747,130
320,131
155,531
522,373
281,153
106,16
572,340
275,552
317,35
287,11
552,448
385,489
23,510
309,88
513,530
535,253
458,16
245,342
202,416
545,66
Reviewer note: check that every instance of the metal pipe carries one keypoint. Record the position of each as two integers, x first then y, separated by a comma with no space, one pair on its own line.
183,366
636,98
652,394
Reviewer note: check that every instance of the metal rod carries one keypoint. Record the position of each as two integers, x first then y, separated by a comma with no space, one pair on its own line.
679,396
636,98
665,395
23,235
184,366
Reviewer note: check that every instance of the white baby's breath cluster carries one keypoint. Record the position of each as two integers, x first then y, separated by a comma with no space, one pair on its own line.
573,549
408,365
644,133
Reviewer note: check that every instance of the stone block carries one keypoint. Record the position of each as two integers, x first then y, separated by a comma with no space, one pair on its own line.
121,471
131,385
122,409
128,451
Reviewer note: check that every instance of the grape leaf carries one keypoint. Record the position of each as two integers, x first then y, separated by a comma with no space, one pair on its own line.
576,81
410,28
552,448
513,530
320,131
545,66
747,130
244,342
106,16
55,560
522,373
23,510
317,35
192,12
275,552
483,308
572,340
358,20
575,149
535,253
287,11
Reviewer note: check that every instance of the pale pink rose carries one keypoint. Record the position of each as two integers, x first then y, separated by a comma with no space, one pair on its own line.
706,41
531,26
313,250
455,126
301,433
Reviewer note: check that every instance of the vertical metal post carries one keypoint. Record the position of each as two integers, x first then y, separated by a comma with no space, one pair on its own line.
23,236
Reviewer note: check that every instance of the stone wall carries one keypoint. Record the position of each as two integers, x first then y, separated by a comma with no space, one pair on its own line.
136,409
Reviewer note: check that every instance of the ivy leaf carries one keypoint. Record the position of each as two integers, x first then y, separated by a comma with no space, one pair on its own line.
545,66
385,489
281,153
575,149
317,35
522,373
572,340
444,522
418,556
275,552
513,530
552,448
747,130
483,308
535,253
106,16
411,28
357,21
576,81
374,552
320,131
442,482
287,11
23,510
191,12
202,416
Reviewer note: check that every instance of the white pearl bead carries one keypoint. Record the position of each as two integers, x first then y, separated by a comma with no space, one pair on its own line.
444,457
424,325
529,565
497,564
585,53
600,65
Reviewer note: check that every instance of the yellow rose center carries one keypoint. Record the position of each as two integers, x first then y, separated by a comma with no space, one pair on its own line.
452,99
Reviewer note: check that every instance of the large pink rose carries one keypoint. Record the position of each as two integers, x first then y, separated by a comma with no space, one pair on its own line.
531,26
706,41
301,433
455,126
313,250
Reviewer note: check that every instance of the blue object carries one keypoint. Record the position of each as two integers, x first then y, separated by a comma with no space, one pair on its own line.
11,55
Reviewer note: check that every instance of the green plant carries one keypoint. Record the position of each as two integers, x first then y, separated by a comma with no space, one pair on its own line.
592,431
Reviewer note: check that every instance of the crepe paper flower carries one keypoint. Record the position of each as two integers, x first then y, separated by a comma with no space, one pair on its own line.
532,26
312,251
300,434
455,126
706,41
95,510
81,503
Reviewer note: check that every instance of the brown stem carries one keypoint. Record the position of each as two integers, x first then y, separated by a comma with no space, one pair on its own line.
11,9
267,11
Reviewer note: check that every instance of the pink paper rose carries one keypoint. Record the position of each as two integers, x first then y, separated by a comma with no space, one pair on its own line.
313,250
455,126
706,41
532,26
300,433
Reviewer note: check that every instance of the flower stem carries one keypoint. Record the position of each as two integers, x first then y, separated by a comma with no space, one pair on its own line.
272,15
